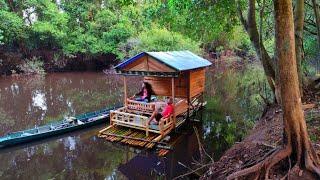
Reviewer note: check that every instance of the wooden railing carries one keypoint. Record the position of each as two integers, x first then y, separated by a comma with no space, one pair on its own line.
136,115
142,107
123,118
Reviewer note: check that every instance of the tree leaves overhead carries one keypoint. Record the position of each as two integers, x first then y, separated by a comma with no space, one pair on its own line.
77,26
12,26
102,27
201,20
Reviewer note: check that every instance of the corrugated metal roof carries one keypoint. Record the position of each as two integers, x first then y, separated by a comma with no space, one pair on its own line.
178,60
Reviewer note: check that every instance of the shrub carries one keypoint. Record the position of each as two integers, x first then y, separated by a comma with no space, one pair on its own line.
32,66
158,39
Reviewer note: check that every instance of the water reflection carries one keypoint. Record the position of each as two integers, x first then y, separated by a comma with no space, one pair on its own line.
37,100
32,101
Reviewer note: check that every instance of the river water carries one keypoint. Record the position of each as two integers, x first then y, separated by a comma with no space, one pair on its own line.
31,101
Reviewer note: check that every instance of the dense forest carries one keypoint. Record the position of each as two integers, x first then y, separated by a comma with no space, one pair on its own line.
58,32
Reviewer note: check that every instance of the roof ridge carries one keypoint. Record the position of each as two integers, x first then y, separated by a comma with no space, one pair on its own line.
178,60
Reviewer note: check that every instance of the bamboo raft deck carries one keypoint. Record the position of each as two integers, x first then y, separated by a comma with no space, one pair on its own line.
129,136
139,139
133,137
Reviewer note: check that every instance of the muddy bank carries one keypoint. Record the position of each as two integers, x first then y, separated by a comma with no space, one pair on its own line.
54,61
262,139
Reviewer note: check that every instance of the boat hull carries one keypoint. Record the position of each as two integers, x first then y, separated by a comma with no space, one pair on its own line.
51,133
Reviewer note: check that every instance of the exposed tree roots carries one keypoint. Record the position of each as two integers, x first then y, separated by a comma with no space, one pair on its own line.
262,168
312,164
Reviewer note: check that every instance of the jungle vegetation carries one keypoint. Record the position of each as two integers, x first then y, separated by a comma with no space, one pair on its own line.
284,35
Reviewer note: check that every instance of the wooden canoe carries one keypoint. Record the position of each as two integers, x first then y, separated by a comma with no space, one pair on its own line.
63,126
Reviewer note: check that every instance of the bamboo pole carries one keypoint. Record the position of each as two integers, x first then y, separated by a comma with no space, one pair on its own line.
188,94
125,91
105,129
134,138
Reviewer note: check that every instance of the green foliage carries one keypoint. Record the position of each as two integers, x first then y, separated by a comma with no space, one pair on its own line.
3,5
12,26
310,47
101,31
1,37
238,39
160,39
201,20
50,29
107,26
126,27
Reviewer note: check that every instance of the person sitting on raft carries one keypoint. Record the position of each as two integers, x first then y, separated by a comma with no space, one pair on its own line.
144,94
157,114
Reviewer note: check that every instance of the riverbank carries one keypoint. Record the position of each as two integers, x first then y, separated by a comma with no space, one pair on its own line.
262,139
48,61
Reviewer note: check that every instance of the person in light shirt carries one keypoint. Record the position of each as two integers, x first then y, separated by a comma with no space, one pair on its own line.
158,114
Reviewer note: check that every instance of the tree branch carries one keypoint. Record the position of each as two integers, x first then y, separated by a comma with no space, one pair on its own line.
243,21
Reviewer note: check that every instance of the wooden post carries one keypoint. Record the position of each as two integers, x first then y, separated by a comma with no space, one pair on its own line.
125,91
173,96
188,94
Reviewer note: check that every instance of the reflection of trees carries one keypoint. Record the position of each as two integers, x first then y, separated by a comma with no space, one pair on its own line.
220,131
5,119
70,157
16,101
36,100
80,156
233,103
69,93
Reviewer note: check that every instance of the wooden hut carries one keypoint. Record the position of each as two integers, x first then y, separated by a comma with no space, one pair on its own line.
177,74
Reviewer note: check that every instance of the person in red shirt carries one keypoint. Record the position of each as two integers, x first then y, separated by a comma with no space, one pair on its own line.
167,111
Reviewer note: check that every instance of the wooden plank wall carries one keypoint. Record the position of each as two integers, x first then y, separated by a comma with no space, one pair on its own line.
147,63
197,82
162,85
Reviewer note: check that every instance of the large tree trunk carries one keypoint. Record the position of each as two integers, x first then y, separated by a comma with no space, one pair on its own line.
299,24
296,144
317,16
250,25
296,135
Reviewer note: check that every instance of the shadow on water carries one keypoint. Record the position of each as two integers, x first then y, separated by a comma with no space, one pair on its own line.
36,100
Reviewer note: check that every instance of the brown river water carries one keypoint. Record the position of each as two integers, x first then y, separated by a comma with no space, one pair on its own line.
30,101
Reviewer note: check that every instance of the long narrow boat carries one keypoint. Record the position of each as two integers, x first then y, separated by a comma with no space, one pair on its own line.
66,125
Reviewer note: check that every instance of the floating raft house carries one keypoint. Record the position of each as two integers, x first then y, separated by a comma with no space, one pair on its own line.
177,74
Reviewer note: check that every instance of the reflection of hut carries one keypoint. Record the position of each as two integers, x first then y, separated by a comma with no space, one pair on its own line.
179,74
141,167
150,166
